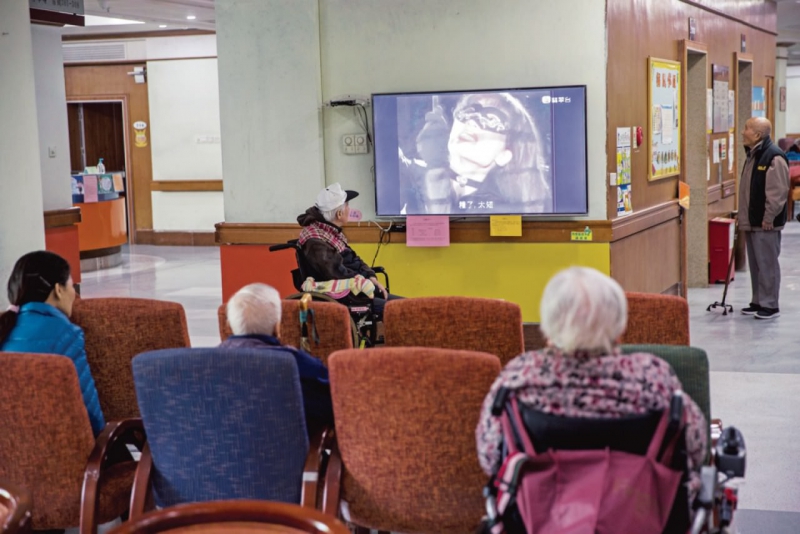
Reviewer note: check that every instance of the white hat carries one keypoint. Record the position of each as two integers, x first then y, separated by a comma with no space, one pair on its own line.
333,196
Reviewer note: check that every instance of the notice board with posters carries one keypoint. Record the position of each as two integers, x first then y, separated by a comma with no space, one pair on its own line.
663,103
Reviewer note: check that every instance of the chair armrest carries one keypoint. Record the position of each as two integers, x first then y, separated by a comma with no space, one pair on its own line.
141,495
317,451
114,434
333,480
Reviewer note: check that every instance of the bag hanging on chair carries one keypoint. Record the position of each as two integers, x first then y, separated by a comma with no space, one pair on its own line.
582,491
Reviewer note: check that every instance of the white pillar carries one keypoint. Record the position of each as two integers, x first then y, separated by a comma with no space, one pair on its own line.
270,96
781,57
51,107
21,212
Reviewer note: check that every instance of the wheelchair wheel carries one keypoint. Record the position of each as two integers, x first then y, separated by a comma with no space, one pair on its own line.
321,297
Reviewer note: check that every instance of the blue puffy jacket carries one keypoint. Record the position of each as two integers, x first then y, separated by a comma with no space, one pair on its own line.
44,329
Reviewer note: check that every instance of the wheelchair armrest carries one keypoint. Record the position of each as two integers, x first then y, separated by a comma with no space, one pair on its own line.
381,270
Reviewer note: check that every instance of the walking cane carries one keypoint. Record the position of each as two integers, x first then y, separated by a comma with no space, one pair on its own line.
307,323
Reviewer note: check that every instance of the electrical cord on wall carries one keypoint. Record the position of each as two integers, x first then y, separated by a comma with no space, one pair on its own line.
361,115
385,236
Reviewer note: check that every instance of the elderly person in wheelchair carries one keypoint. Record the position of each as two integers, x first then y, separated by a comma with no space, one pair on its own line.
582,376
334,265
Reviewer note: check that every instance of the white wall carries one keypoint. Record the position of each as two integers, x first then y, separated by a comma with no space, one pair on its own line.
421,45
21,217
269,86
793,100
196,211
781,55
185,139
51,107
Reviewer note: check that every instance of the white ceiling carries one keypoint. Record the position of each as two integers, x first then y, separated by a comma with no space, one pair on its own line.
154,13
789,28
173,13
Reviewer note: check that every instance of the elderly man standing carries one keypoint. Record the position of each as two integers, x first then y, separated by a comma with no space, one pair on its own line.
763,190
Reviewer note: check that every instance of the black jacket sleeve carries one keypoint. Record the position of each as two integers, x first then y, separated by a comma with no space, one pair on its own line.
327,264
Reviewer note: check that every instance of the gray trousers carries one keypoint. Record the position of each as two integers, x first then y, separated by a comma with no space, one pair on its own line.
763,249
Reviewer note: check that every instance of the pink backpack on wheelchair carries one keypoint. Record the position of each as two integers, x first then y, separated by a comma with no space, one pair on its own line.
585,491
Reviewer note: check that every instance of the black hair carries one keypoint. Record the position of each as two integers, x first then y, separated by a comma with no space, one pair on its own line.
34,276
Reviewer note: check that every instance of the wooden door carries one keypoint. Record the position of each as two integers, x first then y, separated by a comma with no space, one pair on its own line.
770,90
109,83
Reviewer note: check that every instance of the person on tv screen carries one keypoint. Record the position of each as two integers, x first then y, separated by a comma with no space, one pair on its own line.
488,157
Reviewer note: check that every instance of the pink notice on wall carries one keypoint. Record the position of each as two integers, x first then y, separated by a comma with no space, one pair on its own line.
89,188
355,215
427,231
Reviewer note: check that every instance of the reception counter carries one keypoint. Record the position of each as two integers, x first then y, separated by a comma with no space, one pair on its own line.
103,228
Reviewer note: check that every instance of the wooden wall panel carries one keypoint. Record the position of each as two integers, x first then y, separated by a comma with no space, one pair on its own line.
103,131
648,261
638,29
108,83
74,122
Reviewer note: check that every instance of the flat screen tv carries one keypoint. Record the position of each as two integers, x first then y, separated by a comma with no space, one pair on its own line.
479,153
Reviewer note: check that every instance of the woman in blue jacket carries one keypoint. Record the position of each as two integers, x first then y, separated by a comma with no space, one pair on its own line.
41,294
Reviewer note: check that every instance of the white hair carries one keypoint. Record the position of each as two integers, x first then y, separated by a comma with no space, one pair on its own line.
330,215
583,309
254,309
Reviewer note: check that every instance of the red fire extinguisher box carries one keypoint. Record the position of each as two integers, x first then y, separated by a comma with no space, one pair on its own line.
720,249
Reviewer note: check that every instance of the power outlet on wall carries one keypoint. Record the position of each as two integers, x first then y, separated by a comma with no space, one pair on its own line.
355,144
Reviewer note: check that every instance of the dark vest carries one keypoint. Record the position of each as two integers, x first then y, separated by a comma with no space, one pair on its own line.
758,184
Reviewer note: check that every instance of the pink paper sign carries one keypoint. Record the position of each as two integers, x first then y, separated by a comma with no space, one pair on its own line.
427,231
89,188
355,215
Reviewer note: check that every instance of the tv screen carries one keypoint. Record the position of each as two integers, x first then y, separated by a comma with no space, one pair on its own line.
479,153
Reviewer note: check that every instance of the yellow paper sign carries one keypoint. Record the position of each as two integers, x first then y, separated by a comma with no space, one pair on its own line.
505,225
586,235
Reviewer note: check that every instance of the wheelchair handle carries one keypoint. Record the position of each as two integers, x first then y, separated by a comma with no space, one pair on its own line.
282,246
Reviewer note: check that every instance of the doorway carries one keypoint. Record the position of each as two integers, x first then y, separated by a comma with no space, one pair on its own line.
97,131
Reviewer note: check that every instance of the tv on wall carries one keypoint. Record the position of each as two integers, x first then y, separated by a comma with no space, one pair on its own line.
480,153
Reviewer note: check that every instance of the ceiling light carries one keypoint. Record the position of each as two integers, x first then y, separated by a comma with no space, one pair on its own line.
190,17
93,20
162,25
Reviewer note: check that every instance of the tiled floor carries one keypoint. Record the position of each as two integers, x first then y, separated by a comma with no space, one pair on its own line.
755,365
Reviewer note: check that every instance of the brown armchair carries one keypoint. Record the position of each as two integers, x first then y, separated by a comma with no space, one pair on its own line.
656,319
15,509
47,445
236,517
459,323
336,330
116,330
404,456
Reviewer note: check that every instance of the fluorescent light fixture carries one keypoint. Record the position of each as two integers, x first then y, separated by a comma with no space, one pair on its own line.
190,17
162,25
92,20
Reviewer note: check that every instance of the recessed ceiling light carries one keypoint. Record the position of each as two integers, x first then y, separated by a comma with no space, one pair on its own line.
190,17
162,25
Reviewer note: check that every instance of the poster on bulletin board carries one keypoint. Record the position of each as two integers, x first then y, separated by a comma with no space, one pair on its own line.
664,101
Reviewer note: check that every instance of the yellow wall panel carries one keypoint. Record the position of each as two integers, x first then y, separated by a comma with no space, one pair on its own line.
516,272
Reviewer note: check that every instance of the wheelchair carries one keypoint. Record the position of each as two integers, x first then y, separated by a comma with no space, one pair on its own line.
363,317
713,506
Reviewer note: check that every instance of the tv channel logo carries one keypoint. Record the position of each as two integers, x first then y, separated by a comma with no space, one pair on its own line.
546,99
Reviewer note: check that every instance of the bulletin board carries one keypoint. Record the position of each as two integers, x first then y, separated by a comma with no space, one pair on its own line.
663,104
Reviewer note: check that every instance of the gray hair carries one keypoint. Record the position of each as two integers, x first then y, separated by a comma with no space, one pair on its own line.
583,309
330,215
254,309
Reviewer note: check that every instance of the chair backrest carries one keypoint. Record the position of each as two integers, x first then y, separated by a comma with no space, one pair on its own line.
460,323
630,434
116,330
657,319
235,516
785,142
46,436
405,426
222,424
333,326
15,508
690,365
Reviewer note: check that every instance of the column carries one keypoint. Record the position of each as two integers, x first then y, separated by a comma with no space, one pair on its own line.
270,98
21,220
781,57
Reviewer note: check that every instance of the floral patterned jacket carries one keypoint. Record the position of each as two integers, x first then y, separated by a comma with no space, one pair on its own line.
587,385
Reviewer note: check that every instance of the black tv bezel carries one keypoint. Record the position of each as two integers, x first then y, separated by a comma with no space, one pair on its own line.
503,90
